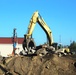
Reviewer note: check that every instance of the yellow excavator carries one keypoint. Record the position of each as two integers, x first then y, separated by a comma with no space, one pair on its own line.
28,40
28,43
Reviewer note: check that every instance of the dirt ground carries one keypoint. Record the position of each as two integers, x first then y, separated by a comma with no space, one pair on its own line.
37,65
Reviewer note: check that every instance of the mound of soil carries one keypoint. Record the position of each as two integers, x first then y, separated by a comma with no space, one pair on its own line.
37,65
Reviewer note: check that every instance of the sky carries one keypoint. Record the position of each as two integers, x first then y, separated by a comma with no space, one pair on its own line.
60,16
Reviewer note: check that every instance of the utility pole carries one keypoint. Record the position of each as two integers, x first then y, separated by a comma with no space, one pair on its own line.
60,41
14,40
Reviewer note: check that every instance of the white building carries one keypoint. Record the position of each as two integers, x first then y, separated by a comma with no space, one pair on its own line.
6,46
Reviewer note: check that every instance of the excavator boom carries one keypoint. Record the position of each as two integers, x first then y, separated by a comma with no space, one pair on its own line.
47,30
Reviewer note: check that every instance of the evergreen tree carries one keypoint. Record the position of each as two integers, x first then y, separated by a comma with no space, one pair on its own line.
72,46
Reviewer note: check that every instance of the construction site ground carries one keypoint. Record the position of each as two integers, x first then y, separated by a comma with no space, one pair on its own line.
38,65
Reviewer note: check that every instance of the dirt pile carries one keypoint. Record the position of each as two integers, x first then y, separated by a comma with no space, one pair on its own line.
36,65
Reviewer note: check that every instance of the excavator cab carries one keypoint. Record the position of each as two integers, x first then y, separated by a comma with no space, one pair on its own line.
55,45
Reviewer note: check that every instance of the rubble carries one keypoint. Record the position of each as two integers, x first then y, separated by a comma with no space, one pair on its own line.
39,65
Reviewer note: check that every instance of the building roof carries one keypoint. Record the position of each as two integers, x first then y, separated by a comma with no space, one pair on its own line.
8,40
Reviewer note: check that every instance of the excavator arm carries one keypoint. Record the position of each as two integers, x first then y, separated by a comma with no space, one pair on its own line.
36,18
32,24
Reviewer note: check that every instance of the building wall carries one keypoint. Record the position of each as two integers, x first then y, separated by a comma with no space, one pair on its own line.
6,49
